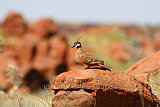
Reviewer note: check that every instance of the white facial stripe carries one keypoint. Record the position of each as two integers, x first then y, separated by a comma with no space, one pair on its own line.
77,45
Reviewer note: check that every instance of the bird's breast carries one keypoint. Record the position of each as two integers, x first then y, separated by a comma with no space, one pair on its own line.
79,56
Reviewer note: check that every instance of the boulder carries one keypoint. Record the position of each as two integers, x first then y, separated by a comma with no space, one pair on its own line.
14,25
51,55
40,53
108,88
73,99
147,70
156,45
119,51
142,69
43,28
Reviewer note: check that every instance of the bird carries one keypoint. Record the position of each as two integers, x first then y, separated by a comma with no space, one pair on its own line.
86,58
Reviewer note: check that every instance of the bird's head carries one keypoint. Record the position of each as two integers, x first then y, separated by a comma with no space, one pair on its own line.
77,45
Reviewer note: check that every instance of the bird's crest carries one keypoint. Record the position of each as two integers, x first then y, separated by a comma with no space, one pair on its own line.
79,38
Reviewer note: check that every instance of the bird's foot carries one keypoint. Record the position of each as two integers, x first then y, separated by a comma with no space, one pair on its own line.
87,67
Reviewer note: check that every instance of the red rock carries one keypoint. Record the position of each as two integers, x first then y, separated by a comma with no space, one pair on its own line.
118,51
146,45
40,54
144,67
99,29
109,88
24,48
43,28
14,24
51,54
132,30
73,99
147,70
48,58
157,45
59,46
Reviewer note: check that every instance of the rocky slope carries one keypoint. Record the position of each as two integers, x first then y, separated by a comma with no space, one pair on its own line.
101,88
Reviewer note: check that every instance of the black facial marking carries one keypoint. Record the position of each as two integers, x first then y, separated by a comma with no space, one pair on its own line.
75,43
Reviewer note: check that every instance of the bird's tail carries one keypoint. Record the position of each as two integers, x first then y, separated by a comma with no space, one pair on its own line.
101,64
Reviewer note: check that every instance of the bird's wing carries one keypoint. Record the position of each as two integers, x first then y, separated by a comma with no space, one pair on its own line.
88,58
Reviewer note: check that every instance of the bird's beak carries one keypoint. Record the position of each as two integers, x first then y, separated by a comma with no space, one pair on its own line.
73,46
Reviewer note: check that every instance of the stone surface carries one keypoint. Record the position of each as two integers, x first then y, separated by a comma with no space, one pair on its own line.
51,55
110,88
119,51
147,70
73,99
14,24
157,45
142,69
43,28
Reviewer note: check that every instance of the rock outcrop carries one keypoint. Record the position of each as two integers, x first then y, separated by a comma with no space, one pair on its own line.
37,48
14,25
107,88
119,51
147,71
142,69
43,28
73,99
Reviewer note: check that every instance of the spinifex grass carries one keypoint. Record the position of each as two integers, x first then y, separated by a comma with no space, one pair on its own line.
41,98
154,82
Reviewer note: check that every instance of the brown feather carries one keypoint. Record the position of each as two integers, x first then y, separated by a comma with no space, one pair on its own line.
86,58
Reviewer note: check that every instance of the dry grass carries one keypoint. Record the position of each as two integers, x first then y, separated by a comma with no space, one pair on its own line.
154,82
42,98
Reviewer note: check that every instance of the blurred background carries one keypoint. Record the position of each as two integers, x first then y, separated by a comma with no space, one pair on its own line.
36,36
